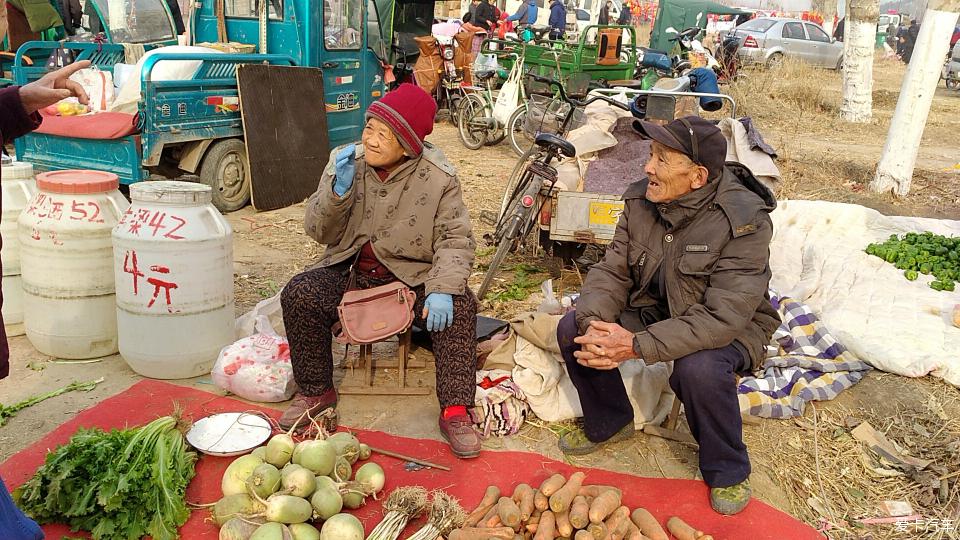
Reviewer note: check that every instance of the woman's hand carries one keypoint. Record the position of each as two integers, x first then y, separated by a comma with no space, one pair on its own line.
345,168
438,311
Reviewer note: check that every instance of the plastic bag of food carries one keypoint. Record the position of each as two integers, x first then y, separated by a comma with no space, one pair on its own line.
257,367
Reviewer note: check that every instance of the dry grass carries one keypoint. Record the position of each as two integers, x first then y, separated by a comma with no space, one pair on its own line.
831,478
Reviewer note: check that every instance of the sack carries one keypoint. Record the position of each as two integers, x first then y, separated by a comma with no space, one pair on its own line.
372,315
485,63
509,97
59,58
98,85
258,367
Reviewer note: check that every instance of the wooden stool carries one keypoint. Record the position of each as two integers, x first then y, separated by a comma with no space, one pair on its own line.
365,363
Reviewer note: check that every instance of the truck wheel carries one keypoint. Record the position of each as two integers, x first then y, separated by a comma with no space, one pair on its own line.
226,170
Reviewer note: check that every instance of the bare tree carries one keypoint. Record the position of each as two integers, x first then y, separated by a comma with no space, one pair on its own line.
860,34
895,170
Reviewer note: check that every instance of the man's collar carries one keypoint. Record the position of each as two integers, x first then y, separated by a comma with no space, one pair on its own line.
682,209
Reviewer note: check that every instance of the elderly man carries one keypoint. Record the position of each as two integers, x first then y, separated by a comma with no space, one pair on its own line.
684,281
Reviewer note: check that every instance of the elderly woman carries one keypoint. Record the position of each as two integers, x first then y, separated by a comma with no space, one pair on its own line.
389,209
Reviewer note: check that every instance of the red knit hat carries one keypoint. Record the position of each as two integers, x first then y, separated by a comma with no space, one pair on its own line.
409,112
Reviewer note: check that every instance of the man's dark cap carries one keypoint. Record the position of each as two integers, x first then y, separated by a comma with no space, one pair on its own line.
698,139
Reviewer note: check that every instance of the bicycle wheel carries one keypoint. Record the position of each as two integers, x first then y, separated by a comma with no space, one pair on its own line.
497,138
502,249
473,122
518,138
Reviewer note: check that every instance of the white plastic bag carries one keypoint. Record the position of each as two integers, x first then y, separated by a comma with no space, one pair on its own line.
257,367
98,85
485,63
246,324
551,304
509,97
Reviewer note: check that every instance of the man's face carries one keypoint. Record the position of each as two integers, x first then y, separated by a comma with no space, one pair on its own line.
671,174
381,147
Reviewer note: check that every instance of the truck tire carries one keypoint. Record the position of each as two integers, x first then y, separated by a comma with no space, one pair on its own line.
226,170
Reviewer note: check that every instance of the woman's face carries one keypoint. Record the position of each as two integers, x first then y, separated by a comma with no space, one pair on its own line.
381,149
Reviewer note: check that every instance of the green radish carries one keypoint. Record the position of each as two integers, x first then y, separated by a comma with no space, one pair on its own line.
265,480
353,500
280,449
235,478
287,509
326,482
289,468
342,527
300,483
304,531
260,452
365,452
231,506
347,446
372,475
295,458
342,471
326,502
318,456
239,529
272,531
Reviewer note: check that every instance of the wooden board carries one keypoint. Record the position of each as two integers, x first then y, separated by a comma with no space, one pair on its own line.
285,128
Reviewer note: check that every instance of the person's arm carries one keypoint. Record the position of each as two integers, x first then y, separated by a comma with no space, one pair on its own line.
453,245
14,120
608,284
518,16
736,288
326,215
19,104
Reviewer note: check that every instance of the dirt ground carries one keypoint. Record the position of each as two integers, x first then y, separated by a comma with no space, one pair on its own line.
808,467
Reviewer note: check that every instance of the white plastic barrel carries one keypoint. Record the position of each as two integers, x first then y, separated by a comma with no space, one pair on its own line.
18,187
173,261
69,309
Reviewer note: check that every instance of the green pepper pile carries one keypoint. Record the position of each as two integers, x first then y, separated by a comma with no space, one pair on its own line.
923,253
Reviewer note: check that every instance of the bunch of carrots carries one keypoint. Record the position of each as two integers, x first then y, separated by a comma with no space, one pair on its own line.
565,508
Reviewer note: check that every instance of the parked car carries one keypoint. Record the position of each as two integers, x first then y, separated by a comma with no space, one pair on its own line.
768,40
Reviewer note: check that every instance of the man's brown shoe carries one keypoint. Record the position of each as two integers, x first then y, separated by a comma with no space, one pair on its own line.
458,431
303,404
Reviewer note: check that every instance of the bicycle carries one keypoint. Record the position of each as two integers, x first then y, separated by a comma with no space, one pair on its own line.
477,124
550,112
532,182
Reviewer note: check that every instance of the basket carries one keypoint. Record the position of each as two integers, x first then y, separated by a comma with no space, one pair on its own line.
544,115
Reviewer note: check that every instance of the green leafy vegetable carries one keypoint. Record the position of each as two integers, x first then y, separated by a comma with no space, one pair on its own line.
12,410
118,485
922,253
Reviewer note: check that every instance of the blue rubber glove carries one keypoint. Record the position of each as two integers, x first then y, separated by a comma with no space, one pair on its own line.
345,167
438,311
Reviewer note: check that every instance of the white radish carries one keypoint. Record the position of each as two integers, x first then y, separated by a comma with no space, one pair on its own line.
365,452
287,509
234,480
236,505
326,482
342,471
280,449
304,531
239,529
299,482
326,502
318,456
372,475
342,527
347,446
272,531
260,452
265,480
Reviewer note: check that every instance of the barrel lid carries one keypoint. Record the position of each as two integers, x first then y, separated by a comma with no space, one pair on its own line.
80,182
171,192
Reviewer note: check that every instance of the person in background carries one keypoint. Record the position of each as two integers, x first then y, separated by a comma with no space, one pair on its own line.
389,209
891,38
910,41
604,18
526,14
625,15
558,19
838,31
471,11
484,15
18,116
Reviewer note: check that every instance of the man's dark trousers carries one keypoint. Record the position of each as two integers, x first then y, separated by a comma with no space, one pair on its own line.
704,381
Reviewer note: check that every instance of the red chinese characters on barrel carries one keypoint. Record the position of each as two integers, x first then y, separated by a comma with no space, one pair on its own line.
145,222
131,266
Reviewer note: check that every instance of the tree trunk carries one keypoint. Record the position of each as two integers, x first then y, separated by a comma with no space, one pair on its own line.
895,170
860,34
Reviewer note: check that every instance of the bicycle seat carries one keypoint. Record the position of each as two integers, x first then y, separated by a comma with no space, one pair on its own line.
484,75
547,140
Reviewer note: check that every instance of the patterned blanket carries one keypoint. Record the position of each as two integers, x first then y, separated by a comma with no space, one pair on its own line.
809,365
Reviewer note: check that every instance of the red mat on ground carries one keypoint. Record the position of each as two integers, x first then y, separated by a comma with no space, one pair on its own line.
468,479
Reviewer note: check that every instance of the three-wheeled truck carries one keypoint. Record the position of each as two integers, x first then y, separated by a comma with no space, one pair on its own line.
193,125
